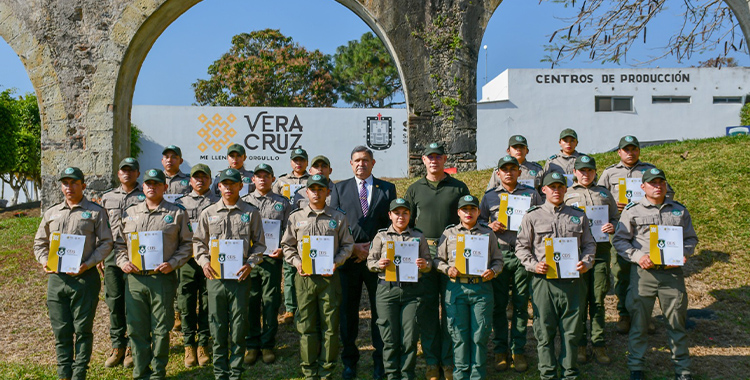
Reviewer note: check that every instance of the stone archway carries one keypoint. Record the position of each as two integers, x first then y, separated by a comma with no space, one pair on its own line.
83,57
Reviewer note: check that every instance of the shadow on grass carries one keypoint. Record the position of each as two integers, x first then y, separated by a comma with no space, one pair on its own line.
704,260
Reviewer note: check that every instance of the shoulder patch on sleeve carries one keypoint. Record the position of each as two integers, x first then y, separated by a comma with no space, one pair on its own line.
340,210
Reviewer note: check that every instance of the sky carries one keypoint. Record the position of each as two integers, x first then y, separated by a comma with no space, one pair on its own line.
515,38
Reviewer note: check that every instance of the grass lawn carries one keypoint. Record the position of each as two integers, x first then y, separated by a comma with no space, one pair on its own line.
710,182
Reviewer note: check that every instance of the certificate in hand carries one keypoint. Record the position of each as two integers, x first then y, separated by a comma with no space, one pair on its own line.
172,197
317,254
598,216
65,252
472,254
146,249
666,245
227,257
561,255
272,231
512,209
288,190
630,190
403,266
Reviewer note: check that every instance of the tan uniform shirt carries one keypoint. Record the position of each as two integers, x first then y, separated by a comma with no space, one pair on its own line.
300,200
631,239
219,221
116,201
561,162
378,248
178,183
529,170
446,252
271,206
195,203
594,195
288,179
490,206
308,222
548,221
87,219
611,176
169,218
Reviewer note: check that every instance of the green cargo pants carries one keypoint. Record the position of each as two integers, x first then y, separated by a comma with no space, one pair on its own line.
149,305
556,306
621,276
265,300
192,298
397,321
114,297
513,280
669,286
227,310
72,301
469,310
436,340
317,319
597,287
290,296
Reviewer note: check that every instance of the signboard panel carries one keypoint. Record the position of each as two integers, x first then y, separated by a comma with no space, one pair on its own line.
269,134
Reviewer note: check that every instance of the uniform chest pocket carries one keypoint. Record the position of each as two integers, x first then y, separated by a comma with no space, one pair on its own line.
85,226
572,229
325,227
171,230
543,231
645,220
216,226
672,220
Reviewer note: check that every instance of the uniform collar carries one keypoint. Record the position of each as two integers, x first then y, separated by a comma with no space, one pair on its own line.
224,206
549,207
195,194
563,155
142,207
308,210
83,204
179,174
500,188
622,165
257,194
392,230
461,227
646,203
137,187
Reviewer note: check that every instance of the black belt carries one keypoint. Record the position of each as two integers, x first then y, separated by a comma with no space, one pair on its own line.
147,272
470,280
398,284
544,276
656,267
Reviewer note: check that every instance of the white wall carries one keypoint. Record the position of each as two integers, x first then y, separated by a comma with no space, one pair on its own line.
540,111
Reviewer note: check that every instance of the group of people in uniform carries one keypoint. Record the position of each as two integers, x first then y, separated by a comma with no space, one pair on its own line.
231,319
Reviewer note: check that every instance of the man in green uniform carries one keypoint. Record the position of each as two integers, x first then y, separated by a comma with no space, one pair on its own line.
514,278
582,194
177,181
318,296
557,301
192,293
434,204
229,219
236,158
468,298
288,183
531,172
564,161
265,282
149,298
73,289
649,281
116,201
398,301
630,166
320,165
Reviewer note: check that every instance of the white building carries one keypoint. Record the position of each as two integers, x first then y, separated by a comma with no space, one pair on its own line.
602,105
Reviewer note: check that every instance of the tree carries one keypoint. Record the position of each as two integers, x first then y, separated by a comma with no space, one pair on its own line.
718,62
23,139
366,73
606,30
135,141
269,69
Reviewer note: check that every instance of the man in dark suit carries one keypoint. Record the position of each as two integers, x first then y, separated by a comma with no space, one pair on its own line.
365,200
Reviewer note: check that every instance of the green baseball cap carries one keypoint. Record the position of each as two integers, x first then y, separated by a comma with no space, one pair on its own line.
299,152
236,148
399,202
506,161
264,168
154,175
568,132
554,177
434,148
317,180
517,140
628,140
468,200
71,172
585,161
230,175
200,168
320,158
130,162
654,173
173,148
